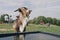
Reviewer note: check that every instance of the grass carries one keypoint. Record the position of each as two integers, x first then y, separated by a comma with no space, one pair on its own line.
32,27
3,26
52,29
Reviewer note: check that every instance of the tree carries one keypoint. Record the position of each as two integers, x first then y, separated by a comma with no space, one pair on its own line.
54,21
34,21
49,19
41,18
2,17
30,21
0,20
58,22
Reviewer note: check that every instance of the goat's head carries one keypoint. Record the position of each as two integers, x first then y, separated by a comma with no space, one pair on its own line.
24,11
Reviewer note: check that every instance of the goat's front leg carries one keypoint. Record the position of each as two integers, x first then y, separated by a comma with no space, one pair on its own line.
15,27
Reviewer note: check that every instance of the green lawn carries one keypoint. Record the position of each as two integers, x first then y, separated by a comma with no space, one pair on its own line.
5,26
32,27
52,29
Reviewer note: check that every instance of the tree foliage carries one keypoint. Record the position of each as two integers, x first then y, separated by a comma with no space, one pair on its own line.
58,22
54,21
37,20
49,19
2,17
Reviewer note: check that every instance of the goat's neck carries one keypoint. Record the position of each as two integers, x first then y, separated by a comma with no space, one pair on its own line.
20,16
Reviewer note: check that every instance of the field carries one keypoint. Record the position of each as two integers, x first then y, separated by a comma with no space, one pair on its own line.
7,28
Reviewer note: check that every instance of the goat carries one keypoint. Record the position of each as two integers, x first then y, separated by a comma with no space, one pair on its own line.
20,23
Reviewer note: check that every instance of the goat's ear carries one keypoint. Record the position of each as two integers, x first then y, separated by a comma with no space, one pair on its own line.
30,11
16,10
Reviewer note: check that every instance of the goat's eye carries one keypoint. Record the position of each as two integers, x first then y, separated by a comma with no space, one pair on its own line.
20,10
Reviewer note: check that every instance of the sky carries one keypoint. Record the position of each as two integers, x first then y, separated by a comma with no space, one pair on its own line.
47,8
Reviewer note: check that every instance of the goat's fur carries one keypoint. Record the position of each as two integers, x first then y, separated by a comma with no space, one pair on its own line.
21,22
